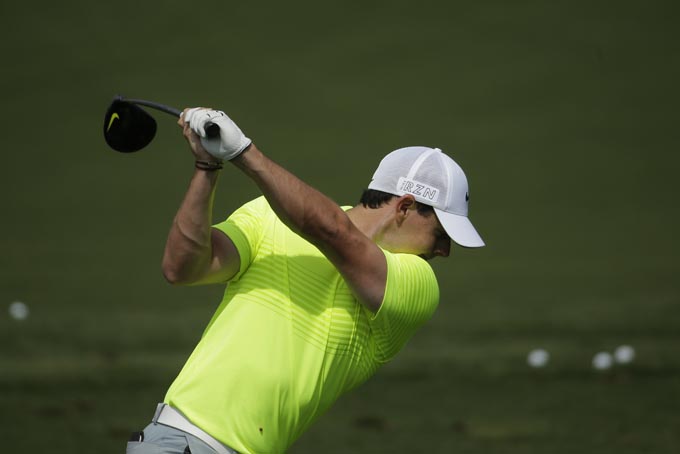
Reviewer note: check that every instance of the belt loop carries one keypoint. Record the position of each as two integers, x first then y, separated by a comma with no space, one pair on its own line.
159,409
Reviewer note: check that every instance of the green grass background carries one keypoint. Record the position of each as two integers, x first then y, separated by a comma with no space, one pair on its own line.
563,114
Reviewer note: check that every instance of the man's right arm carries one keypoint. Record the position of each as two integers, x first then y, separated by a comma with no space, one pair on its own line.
195,253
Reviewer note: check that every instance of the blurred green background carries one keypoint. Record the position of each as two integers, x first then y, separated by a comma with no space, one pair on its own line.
563,114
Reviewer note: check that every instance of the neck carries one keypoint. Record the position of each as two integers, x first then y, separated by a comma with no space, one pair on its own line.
372,222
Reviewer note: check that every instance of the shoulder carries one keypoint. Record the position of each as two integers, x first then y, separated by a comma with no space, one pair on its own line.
249,215
410,270
245,227
411,298
257,204
411,290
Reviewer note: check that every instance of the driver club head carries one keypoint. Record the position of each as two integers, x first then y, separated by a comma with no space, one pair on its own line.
128,127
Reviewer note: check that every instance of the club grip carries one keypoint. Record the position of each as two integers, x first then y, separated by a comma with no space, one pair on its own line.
212,130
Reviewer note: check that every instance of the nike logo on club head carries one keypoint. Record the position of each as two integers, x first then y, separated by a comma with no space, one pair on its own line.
467,197
113,117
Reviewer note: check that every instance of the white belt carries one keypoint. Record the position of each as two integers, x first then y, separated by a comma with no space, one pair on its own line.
168,416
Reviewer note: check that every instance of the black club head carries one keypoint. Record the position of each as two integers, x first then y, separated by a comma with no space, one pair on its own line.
128,127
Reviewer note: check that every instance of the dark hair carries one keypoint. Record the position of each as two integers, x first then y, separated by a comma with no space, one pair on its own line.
372,198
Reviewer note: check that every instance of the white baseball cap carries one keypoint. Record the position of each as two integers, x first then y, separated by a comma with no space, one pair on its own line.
433,179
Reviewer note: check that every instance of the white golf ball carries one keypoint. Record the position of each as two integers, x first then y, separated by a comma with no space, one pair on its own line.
624,354
538,358
18,310
602,361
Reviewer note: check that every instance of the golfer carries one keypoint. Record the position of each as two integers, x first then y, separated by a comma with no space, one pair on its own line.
317,296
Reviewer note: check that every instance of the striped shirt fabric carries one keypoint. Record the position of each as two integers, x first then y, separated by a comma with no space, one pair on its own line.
289,338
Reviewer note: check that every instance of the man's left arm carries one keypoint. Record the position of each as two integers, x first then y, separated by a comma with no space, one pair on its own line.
319,220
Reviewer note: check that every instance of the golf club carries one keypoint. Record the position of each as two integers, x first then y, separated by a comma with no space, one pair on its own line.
129,128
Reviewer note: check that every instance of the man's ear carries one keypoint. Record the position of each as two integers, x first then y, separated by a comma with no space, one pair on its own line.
405,204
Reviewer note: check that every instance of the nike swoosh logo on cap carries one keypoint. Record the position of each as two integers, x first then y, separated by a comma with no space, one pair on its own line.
113,117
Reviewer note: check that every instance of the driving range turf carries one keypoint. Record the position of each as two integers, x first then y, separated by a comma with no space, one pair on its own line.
563,115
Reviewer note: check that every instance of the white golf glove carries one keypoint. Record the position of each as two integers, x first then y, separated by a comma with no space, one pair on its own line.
231,141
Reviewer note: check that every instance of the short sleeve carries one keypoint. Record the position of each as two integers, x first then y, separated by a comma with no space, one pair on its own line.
244,228
411,297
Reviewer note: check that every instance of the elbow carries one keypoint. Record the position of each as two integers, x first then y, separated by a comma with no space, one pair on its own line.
171,278
173,274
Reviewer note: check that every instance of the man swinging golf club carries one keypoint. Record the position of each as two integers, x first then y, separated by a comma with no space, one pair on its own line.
318,296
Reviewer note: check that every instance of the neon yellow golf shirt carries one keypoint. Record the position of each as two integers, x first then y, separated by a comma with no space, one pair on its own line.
289,338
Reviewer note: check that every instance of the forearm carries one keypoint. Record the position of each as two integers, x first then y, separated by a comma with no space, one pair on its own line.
188,250
302,208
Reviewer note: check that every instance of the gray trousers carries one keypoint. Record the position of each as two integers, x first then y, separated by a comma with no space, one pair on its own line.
160,439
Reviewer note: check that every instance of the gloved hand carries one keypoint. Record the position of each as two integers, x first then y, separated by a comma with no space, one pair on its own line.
231,141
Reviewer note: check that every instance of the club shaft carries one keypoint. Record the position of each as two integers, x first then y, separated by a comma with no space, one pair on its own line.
211,129
155,105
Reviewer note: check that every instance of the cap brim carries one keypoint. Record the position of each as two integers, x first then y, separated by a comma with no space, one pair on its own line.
459,228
